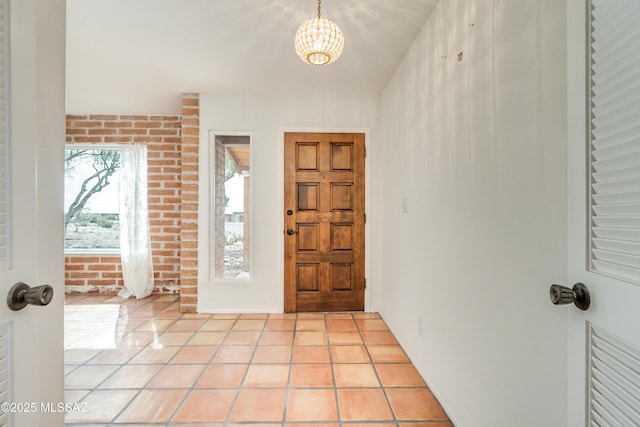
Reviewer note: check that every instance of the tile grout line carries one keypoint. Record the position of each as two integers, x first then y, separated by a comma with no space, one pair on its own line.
165,364
288,388
241,387
375,371
287,393
195,382
333,377
139,392
95,388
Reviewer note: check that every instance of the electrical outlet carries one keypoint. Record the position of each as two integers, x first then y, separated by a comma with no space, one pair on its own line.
405,204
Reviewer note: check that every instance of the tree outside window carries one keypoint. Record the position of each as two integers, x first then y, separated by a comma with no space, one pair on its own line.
91,219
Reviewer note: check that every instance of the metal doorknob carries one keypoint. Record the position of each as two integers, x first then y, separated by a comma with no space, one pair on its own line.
578,295
22,294
290,231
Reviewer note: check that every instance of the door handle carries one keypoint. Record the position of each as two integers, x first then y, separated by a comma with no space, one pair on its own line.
578,295
22,294
291,232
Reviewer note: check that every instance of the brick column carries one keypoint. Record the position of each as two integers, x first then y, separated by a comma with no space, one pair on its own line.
189,201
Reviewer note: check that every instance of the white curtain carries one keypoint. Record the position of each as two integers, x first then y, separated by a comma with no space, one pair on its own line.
135,244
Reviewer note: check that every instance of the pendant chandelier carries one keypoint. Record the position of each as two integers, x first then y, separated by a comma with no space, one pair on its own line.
319,41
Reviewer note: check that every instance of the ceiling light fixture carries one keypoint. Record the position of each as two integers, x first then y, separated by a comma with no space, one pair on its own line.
319,41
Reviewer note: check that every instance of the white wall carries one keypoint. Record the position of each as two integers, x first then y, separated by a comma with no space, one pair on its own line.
266,118
478,148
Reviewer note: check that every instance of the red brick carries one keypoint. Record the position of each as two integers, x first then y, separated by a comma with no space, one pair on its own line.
108,275
186,263
101,267
132,131
190,121
86,275
81,259
189,169
184,290
102,131
102,282
186,112
119,124
188,131
189,197
134,117
164,132
118,139
103,117
87,139
80,124
147,125
192,102
172,154
164,118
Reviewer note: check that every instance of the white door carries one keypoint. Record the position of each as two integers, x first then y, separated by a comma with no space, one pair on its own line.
604,211
31,358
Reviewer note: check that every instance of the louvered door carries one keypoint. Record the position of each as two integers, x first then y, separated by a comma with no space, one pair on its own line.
32,119
614,136
604,210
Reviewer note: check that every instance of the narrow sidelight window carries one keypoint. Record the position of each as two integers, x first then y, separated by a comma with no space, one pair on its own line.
231,203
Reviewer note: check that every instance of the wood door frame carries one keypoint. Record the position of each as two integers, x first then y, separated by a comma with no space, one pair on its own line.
367,202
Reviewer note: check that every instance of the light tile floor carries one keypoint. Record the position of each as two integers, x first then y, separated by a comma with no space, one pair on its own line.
144,363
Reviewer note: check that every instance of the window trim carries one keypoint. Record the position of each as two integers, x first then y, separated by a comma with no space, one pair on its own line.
211,205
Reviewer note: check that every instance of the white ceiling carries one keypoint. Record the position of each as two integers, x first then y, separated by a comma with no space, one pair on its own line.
138,56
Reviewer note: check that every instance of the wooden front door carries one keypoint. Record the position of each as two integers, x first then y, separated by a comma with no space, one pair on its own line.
324,221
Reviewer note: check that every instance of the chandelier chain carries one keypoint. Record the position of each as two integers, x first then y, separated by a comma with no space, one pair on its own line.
319,1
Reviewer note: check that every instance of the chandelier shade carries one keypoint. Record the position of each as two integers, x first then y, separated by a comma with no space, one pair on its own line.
319,41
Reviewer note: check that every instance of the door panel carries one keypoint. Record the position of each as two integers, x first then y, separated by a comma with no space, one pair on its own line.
595,397
324,246
36,152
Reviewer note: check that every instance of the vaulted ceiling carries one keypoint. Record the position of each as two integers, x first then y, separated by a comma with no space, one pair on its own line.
138,56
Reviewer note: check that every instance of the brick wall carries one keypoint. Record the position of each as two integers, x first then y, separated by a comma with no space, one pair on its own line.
162,135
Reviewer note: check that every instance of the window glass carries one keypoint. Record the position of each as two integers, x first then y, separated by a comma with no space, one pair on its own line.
91,219
231,219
